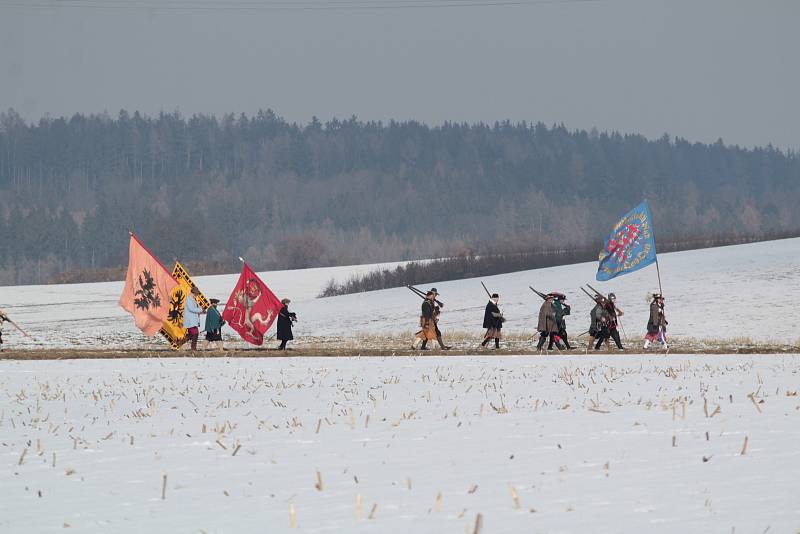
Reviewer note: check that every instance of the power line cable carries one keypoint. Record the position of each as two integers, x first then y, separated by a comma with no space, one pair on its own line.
287,5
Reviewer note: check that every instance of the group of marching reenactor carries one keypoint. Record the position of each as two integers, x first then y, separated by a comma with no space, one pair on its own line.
604,321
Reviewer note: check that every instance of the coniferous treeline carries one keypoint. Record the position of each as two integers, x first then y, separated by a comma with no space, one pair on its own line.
207,189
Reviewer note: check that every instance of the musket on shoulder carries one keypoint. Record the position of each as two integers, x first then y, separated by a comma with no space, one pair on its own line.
15,325
596,291
487,291
589,294
538,293
422,295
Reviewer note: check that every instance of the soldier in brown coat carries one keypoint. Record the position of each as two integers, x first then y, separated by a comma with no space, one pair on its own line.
548,326
427,321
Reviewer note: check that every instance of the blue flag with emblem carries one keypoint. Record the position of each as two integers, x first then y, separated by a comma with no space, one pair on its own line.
630,246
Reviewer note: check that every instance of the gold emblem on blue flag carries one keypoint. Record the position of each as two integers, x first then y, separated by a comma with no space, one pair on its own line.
630,246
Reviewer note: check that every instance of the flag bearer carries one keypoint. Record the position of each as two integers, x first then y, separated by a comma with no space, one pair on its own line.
657,323
285,320
191,317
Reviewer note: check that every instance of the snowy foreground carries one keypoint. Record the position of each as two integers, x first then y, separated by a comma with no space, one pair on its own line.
531,444
745,292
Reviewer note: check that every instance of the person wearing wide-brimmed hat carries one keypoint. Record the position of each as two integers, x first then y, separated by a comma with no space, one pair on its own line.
285,320
547,326
213,326
437,311
427,321
492,322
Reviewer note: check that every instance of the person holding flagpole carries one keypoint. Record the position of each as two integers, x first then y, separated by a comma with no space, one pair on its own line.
191,317
656,323
631,246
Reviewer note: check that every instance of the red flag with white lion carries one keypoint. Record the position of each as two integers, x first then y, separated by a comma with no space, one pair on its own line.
252,307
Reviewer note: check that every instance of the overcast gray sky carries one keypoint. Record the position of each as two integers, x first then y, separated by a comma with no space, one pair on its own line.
699,69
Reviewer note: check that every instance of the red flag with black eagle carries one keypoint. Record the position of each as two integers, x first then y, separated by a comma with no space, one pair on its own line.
252,307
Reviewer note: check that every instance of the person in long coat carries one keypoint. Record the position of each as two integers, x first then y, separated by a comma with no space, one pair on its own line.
492,322
562,309
611,316
547,326
427,322
656,323
213,326
285,320
597,318
191,317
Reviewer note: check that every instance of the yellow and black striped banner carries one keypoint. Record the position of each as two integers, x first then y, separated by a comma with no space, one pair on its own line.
173,329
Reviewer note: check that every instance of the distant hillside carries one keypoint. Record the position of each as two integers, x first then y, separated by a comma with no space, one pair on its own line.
207,189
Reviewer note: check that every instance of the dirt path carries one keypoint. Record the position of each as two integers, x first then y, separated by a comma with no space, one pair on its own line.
369,351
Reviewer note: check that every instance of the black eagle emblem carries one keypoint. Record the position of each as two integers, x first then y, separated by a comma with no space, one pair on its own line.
176,303
146,296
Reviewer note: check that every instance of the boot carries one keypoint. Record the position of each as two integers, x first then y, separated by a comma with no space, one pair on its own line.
441,343
542,337
497,342
424,345
646,343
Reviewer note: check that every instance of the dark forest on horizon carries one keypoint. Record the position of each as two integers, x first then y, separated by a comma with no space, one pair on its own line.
206,189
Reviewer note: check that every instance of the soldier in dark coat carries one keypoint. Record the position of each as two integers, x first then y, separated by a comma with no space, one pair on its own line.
285,320
492,322
656,323
562,309
547,326
610,315
597,318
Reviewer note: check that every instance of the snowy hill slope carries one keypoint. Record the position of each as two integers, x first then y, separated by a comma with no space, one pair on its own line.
738,291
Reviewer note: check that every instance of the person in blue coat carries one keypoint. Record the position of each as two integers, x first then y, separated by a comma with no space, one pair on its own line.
191,317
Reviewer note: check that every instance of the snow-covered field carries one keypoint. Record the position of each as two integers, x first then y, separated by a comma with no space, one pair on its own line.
530,444
746,291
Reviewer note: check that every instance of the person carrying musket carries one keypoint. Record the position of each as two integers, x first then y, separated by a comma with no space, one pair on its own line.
427,322
562,309
547,327
437,311
493,322
597,319
657,323
609,329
